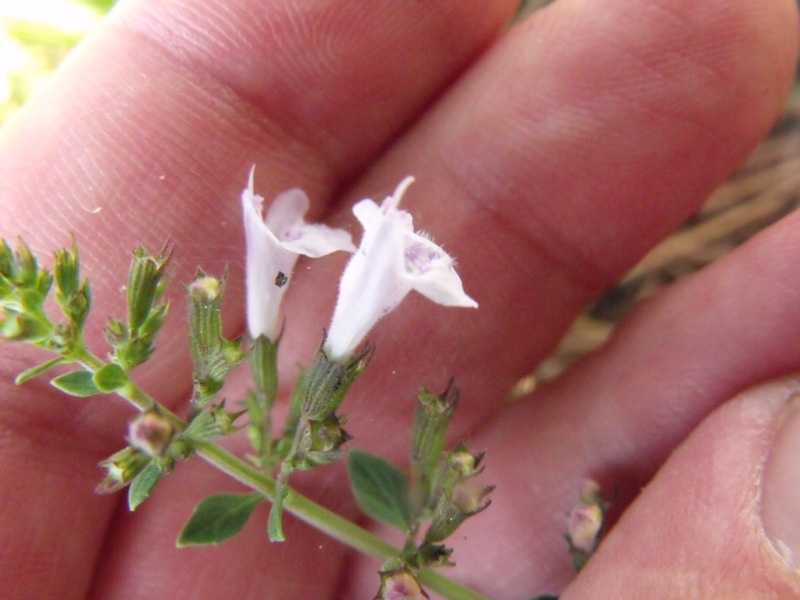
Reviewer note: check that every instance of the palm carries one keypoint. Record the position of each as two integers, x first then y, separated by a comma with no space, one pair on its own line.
547,165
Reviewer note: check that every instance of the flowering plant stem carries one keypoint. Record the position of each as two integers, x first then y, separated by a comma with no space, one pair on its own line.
301,507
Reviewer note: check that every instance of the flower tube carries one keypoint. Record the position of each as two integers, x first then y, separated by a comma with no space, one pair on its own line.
274,244
391,261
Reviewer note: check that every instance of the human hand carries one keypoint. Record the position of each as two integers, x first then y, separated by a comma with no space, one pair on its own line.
549,158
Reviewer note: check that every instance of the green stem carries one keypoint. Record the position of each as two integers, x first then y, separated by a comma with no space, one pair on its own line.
301,507
325,520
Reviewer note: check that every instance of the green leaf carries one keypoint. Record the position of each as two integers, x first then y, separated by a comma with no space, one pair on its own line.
275,521
29,374
380,488
76,383
143,484
218,518
110,378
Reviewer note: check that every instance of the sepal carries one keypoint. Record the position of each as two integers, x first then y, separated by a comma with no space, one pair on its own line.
327,381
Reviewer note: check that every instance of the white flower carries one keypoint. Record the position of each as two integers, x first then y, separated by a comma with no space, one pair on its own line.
391,261
273,245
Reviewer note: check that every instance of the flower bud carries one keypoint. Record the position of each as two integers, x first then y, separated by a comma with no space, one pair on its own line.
121,467
72,294
204,288
205,322
466,500
432,414
151,433
585,523
144,284
211,424
400,584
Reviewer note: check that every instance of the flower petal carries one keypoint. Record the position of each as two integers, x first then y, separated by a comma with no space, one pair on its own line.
391,261
266,259
285,215
432,272
371,286
273,245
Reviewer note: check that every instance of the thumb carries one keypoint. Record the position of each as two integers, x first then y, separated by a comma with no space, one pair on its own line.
721,519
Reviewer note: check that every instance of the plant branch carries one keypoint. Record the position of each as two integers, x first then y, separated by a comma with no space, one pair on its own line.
301,507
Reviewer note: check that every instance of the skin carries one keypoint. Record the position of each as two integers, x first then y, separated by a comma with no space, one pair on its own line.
549,157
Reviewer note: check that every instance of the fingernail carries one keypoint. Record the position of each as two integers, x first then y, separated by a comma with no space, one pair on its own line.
780,499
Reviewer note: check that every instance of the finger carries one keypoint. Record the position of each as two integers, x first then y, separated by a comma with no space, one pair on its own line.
552,452
617,415
552,166
145,135
718,520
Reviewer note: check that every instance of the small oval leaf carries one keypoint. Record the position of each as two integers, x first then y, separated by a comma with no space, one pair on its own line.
38,370
380,488
76,383
110,378
218,518
143,484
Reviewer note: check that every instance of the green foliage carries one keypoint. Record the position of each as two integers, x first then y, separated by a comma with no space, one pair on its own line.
218,518
24,287
72,294
211,424
132,342
76,383
29,374
110,378
380,489
143,484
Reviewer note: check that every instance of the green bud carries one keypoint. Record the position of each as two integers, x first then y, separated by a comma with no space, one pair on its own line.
121,467
24,270
211,424
326,382
67,272
72,294
145,285
432,414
